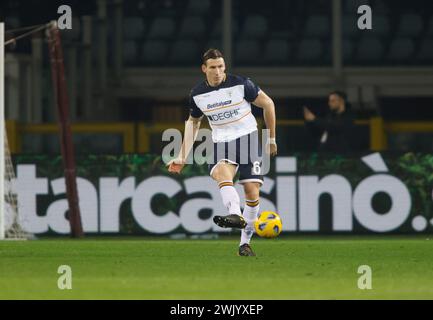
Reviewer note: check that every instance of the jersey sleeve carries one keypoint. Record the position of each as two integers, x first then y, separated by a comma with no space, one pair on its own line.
251,90
194,111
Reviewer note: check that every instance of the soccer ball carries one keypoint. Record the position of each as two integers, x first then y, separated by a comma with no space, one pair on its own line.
268,224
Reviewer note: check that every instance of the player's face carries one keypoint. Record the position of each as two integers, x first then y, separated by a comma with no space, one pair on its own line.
334,102
215,71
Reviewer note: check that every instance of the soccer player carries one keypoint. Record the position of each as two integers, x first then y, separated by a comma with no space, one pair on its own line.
225,100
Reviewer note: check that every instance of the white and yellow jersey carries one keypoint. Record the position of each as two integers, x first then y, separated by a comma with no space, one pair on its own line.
227,107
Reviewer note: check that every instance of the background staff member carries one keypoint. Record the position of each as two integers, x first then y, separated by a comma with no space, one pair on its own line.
333,132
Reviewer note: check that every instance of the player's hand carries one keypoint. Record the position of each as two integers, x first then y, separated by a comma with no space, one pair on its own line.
271,148
175,165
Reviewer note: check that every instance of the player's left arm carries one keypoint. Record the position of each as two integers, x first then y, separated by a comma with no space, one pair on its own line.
265,102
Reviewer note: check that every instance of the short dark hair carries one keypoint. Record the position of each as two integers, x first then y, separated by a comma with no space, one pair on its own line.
341,94
212,53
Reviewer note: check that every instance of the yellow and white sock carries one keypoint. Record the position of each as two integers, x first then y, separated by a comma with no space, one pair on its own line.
250,213
230,197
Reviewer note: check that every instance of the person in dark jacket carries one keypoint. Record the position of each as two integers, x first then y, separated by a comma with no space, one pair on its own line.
333,132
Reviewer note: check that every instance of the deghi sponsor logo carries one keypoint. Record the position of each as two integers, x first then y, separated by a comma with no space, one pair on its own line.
223,115
219,104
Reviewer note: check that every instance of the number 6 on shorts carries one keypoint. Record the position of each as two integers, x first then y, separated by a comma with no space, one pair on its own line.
256,167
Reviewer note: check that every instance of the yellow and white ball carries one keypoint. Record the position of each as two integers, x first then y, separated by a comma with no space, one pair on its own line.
268,224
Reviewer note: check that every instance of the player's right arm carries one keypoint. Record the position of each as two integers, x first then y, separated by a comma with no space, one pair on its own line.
192,126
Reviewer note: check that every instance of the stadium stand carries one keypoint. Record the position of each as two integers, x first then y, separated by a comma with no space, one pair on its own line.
254,27
216,29
184,52
276,51
198,7
309,50
317,26
154,52
133,28
370,50
425,52
349,26
281,33
192,27
162,28
277,37
401,49
410,25
247,52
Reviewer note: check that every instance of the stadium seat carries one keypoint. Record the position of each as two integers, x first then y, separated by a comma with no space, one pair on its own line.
370,50
213,43
317,26
401,49
348,50
410,25
425,52
310,50
247,52
135,8
380,7
162,28
381,25
217,29
192,28
167,8
287,34
349,26
133,28
254,27
184,52
276,51
130,52
351,6
198,7
154,52
430,26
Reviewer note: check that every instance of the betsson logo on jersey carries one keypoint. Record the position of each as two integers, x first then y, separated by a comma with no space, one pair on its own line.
219,104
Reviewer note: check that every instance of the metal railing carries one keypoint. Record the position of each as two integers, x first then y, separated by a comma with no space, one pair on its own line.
136,137
16,131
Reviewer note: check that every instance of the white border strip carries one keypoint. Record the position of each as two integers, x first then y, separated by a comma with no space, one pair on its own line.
243,181
222,161
2,130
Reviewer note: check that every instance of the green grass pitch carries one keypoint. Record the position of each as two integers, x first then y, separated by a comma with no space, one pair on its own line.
285,268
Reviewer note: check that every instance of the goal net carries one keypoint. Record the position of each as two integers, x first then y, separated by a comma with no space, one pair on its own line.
31,65
13,222
11,226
